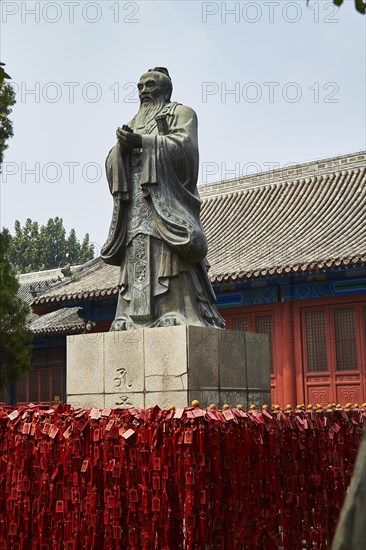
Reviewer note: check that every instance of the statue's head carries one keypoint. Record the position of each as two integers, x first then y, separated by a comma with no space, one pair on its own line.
155,86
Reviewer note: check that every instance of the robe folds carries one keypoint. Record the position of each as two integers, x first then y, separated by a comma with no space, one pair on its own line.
156,236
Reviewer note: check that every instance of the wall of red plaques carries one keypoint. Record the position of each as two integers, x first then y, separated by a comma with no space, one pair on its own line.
173,479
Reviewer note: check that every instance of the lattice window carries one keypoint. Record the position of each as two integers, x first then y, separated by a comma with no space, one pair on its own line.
316,341
33,386
345,339
263,325
241,324
57,384
44,389
41,386
22,389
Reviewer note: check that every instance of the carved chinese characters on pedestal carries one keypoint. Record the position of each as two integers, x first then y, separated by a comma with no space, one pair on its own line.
156,236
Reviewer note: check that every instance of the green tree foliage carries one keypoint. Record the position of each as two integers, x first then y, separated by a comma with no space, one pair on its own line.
73,248
35,248
3,73
87,249
7,100
52,244
15,337
25,244
360,5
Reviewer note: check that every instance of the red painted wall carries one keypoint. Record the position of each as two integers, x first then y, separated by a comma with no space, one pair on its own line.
291,381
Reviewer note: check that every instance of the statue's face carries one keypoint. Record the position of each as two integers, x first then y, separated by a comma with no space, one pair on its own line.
150,88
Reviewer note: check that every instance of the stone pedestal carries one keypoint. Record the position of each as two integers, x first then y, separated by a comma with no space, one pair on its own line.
168,366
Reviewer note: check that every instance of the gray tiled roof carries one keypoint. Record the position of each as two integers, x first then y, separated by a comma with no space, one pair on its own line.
63,320
91,280
308,217
270,223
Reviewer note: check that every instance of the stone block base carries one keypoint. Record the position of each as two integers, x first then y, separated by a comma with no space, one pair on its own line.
168,366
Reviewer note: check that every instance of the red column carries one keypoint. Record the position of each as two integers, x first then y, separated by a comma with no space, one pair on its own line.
288,334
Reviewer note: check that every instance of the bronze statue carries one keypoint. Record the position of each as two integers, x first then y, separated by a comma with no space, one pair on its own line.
156,236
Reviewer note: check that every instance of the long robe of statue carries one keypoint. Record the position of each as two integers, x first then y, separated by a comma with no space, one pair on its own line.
156,236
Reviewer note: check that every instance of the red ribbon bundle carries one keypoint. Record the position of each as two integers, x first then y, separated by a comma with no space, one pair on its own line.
179,479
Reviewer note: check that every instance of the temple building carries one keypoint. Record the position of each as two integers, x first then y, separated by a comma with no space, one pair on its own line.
287,251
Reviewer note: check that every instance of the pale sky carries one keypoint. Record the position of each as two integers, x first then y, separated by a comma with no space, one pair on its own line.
272,82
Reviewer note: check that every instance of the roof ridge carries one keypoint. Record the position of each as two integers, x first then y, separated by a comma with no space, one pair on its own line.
81,270
288,174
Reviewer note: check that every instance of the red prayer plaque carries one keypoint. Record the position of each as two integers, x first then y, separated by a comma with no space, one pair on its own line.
188,436
198,412
59,506
155,504
106,412
116,471
13,415
94,414
67,433
53,432
201,459
156,483
26,428
54,473
117,532
109,426
133,494
190,521
156,463
228,414
26,484
96,453
110,501
190,478
178,413
46,428
84,465
128,433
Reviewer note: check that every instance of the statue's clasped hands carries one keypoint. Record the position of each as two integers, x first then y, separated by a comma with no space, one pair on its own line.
127,139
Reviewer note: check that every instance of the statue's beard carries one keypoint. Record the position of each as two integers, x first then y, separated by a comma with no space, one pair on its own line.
147,111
